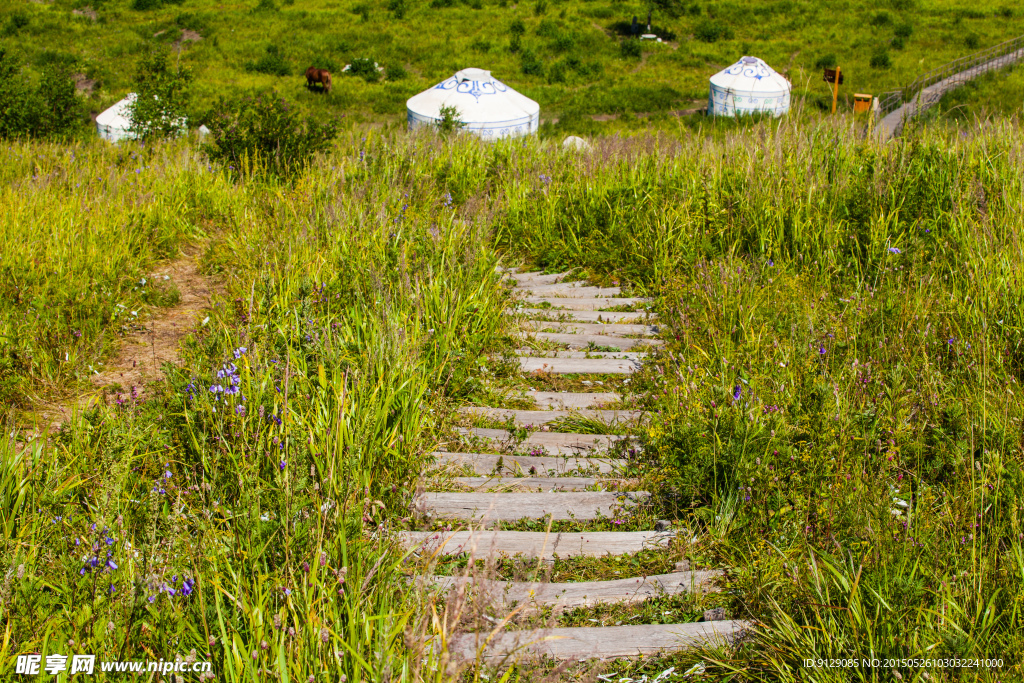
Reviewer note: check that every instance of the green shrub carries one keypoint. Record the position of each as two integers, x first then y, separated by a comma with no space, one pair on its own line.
396,72
903,30
972,41
144,5
272,63
450,120
441,4
826,61
480,45
881,19
362,10
565,42
531,64
897,43
163,97
631,48
365,68
398,7
1006,12
711,31
15,22
192,22
540,8
880,59
264,134
517,27
515,43
556,74
47,110
266,6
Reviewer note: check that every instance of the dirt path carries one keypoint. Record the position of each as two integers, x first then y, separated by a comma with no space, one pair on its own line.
142,353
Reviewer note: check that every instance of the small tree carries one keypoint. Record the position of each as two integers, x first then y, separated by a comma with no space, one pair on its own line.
450,120
50,110
163,96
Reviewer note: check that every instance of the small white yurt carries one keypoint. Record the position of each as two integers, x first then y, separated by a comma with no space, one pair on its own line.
487,107
112,124
747,87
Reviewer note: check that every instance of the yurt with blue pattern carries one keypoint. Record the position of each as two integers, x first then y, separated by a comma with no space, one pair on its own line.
486,106
747,87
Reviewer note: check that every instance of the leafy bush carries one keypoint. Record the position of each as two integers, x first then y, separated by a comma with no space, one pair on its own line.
881,19
398,7
365,68
144,5
271,63
1006,12
163,97
362,10
15,22
669,8
515,43
711,31
192,22
826,61
517,27
540,8
631,48
531,64
903,30
972,41
480,45
565,42
265,6
450,120
397,72
880,59
441,4
897,43
47,110
265,134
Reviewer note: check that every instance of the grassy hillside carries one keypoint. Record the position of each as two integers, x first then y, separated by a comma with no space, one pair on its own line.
835,415
568,57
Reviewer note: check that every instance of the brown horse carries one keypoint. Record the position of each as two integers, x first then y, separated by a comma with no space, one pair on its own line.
322,76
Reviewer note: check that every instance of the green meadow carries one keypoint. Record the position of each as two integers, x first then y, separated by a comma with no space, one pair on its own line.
572,57
836,412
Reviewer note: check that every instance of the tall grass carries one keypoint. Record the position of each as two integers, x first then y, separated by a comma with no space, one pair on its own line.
838,415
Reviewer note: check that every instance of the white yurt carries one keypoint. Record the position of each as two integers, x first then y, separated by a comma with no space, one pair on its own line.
486,106
112,124
746,87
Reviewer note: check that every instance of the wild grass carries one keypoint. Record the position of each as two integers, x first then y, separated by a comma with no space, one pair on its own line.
834,417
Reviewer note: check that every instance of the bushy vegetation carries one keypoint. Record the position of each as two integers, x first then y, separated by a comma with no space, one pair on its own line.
834,414
41,105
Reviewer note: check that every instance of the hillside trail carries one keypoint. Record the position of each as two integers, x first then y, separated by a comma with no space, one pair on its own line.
563,477
142,353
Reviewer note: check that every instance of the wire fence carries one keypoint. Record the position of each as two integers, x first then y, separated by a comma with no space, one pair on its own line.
952,74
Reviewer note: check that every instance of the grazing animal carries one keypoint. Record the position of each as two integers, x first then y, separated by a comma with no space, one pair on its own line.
322,76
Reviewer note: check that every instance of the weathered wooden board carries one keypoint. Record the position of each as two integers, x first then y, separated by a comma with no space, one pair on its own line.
553,443
509,507
586,304
566,399
585,316
603,329
531,483
575,290
562,596
578,366
539,417
582,341
535,544
608,642
485,463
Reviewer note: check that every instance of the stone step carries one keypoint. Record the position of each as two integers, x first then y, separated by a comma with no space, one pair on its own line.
607,642
582,341
585,304
510,507
603,329
575,290
538,278
563,596
539,417
535,544
584,316
578,366
532,483
485,463
567,399
553,443
621,355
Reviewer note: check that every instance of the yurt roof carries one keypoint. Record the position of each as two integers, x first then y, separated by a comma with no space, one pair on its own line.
478,97
750,75
116,116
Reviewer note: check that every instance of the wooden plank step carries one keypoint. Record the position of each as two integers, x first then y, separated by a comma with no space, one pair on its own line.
582,341
587,304
531,483
567,366
585,316
566,399
485,463
510,507
553,443
575,290
604,329
607,642
539,417
538,278
622,355
563,596
481,543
